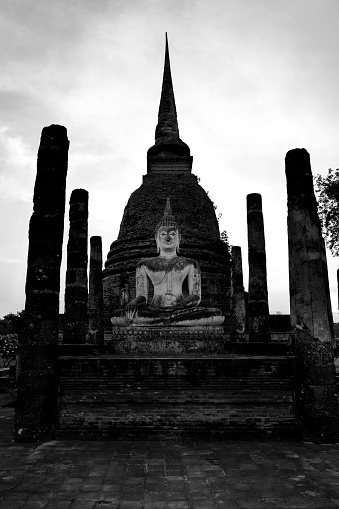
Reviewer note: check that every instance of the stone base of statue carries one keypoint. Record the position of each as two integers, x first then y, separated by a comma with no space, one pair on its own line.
195,317
170,340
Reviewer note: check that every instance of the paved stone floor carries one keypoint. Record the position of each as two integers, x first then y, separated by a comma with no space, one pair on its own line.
201,475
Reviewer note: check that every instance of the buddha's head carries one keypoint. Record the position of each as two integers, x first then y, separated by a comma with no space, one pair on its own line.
167,233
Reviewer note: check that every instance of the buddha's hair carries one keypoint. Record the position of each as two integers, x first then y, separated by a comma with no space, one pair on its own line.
167,219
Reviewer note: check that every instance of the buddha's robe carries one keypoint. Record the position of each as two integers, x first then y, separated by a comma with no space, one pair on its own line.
168,305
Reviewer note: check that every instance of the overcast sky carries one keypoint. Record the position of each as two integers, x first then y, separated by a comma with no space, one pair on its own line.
252,80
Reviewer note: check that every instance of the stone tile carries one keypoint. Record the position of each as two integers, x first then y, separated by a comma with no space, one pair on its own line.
250,504
59,504
227,504
178,504
35,504
203,504
155,496
11,504
130,505
82,504
108,475
155,505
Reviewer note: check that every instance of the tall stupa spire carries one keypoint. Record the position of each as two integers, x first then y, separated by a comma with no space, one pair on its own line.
169,153
167,128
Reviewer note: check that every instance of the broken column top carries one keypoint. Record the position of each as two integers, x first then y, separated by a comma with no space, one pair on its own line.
254,202
54,133
298,175
78,195
96,239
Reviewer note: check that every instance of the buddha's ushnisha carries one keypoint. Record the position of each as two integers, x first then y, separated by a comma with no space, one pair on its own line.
167,273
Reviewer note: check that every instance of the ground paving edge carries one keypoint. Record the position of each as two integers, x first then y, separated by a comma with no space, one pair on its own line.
164,474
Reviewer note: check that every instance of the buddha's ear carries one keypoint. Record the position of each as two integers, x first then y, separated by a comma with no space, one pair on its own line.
157,242
179,239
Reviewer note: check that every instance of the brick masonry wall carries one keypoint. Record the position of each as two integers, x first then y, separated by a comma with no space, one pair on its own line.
116,396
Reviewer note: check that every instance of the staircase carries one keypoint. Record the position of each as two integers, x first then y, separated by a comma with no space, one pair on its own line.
139,388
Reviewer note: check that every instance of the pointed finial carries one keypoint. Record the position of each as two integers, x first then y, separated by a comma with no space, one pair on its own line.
167,128
168,210
168,146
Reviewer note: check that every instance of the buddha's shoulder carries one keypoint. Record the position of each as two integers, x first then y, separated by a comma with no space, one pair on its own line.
182,262
157,263
149,263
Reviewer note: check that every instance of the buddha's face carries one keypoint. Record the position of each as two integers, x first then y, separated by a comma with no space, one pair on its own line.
168,239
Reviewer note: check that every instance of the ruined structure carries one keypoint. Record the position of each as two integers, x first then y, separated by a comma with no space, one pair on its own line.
238,311
311,315
95,295
36,411
76,292
171,366
167,367
258,313
169,174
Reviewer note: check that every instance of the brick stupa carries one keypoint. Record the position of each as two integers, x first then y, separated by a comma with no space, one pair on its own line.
169,174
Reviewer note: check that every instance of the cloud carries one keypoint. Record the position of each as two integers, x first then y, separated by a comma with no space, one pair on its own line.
17,165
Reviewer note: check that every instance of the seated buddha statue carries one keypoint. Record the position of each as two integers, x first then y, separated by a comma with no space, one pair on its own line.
167,273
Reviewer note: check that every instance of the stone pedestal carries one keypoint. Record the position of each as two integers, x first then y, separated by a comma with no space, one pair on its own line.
168,340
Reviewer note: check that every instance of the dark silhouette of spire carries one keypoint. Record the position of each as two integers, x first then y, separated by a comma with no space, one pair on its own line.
168,146
167,128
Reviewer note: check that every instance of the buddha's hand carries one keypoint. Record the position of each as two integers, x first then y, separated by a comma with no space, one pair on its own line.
135,303
188,302
130,315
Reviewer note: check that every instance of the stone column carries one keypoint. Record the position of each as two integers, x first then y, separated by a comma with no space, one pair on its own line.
76,292
238,314
316,399
95,296
37,399
258,313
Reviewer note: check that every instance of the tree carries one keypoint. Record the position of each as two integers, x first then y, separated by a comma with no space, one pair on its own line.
9,330
224,239
327,189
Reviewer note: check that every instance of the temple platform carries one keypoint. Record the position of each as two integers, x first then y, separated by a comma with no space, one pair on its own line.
153,384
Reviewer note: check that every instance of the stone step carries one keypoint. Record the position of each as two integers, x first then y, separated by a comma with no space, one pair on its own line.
108,396
243,348
116,396
220,367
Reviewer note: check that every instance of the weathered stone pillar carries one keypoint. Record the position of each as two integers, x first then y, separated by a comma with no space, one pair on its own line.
95,296
258,313
76,292
37,400
316,399
238,313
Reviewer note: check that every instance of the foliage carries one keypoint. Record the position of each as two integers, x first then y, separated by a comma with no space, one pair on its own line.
11,323
8,348
327,189
10,326
224,239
